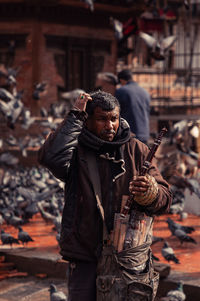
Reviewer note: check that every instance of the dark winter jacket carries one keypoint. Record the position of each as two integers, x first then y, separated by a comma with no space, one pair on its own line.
63,153
135,108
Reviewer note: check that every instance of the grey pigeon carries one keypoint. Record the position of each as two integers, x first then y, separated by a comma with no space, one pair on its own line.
174,226
168,253
186,4
89,4
156,239
184,237
118,28
5,95
8,239
39,89
158,49
73,94
27,119
23,236
8,159
175,294
55,294
108,77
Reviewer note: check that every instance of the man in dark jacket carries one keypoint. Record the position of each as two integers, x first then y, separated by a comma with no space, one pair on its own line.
94,126
135,105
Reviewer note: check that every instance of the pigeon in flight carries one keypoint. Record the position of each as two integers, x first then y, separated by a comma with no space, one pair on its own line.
118,28
186,4
5,95
55,294
89,3
168,253
72,95
108,77
158,49
39,89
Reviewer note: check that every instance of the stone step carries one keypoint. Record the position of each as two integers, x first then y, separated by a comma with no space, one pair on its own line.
30,288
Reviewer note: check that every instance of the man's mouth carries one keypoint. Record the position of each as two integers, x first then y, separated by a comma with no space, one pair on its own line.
108,135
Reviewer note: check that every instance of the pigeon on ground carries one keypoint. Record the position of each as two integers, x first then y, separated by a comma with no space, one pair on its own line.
155,258
174,226
158,49
176,294
23,236
156,239
55,294
8,239
168,253
183,237
14,220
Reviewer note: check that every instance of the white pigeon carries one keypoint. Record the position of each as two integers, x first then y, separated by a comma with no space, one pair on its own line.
56,295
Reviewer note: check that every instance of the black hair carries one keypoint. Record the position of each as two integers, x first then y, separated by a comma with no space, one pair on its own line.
125,74
104,100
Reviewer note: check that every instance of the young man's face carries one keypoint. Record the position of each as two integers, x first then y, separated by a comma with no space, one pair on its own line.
104,124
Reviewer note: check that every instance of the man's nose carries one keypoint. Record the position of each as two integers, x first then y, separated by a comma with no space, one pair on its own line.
109,125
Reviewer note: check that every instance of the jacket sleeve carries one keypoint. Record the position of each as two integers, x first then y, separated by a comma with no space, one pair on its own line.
59,147
163,201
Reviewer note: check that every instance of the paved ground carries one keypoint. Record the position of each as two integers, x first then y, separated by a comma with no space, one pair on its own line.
43,263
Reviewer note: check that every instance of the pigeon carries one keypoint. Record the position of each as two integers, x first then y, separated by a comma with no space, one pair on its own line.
168,253
89,3
183,237
72,95
27,120
6,95
108,77
155,258
118,28
175,294
55,294
11,110
156,239
43,112
174,226
39,88
186,4
8,159
14,220
158,49
23,236
8,239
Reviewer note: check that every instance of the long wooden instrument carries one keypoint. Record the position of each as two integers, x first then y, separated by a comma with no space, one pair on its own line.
125,210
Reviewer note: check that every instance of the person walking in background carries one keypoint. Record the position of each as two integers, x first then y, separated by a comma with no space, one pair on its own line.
93,141
135,105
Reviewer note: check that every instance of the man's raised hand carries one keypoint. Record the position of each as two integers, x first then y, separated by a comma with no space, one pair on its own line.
82,100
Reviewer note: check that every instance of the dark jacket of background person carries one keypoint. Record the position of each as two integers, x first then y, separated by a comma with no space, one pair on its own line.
135,108
63,154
